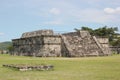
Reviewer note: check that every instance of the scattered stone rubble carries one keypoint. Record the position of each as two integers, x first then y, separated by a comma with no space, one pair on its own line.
26,67
44,43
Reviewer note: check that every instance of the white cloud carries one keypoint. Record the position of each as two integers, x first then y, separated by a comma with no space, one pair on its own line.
109,10
55,11
1,33
112,10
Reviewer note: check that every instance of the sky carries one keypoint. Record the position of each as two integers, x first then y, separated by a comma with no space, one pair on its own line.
19,16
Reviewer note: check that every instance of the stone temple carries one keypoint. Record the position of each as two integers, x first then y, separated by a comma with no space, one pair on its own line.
45,43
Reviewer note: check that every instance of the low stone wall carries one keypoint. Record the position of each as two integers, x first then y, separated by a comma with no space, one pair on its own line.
115,49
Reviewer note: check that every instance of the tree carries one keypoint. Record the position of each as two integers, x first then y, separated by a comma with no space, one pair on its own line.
10,49
116,42
105,31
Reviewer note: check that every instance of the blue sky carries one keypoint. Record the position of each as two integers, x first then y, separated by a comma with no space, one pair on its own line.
19,16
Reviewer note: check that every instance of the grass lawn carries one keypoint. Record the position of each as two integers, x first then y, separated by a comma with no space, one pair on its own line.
88,68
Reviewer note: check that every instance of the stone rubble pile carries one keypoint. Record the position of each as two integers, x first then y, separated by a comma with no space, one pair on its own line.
26,67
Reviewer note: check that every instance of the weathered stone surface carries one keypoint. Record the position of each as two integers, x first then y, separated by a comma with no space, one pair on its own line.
26,67
37,33
38,46
73,44
81,46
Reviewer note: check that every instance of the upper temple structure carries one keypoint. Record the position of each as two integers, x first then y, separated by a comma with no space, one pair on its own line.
44,43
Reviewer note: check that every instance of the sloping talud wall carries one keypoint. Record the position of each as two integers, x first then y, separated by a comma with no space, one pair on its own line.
83,44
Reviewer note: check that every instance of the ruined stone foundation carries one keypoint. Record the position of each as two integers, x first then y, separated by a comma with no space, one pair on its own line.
44,43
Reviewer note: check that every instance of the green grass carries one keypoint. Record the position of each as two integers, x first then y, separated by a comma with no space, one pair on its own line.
89,68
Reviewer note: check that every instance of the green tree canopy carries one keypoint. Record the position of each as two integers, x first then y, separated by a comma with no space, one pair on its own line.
105,31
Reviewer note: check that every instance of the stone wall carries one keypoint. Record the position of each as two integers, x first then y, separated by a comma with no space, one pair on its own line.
38,46
105,45
74,44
